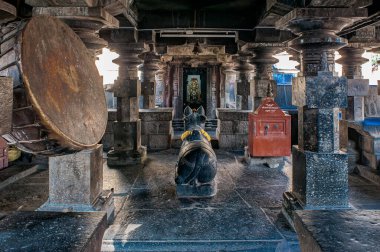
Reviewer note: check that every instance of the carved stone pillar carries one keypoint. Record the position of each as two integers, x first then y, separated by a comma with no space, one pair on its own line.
229,84
295,56
320,176
127,89
358,87
244,88
148,81
176,103
213,75
168,87
263,79
86,21
161,76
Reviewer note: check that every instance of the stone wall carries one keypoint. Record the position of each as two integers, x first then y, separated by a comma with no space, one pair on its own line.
232,128
156,128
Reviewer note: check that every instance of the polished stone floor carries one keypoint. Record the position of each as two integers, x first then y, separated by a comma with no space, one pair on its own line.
244,216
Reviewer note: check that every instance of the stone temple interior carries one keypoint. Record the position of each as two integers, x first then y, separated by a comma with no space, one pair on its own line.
201,143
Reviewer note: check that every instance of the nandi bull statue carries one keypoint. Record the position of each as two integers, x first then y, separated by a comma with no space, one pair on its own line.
196,165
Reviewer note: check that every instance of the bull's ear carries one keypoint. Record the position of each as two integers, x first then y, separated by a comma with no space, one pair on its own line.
188,111
201,111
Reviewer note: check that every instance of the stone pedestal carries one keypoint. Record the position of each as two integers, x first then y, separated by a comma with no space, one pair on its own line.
156,128
195,191
320,172
232,130
76,183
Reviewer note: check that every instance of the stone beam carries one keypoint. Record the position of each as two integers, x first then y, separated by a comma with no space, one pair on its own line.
62,3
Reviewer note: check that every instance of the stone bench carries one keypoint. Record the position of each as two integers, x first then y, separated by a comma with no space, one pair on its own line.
338,231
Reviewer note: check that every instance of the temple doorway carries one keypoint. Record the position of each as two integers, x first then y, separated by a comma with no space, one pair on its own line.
195,87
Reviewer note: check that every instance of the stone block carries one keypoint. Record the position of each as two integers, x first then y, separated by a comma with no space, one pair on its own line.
322,91
196,191
127,109
355,108
6,105
147,88
127,135
157,114
127,88
76,178
233,141
227,114
232,127
156,127
320,180
366,143
357,87
112,115
159,141
319,129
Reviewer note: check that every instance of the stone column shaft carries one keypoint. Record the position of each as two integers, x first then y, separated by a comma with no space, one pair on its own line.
358,87
244,88
263,79
229,75
176,99
320,175
148,81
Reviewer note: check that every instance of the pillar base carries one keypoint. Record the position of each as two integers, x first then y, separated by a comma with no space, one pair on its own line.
117,158
197,191
320,180
271,162
76,184
104,203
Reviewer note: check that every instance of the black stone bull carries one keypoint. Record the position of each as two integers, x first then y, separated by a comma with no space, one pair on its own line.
197,165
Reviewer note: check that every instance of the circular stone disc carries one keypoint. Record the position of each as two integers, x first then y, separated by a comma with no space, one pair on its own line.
63,82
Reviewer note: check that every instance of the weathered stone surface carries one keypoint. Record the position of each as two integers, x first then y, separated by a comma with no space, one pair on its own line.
226,114
261,87
73,173
112,115
233,141
371,159
158,141
157,114
328,173
355,108
127,88
6,105
156,127
357,87
318,129
340,231
127,135
372,103
127,109
63,3
322,91
232,127
95,13
49,231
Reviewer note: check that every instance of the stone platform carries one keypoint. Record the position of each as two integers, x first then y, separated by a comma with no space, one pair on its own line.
243,216
338,231
47,231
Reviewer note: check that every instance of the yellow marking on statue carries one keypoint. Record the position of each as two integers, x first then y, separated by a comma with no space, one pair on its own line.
186,134
206,135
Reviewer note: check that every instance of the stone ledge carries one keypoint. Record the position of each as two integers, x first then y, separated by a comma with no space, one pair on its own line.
156,114
227,114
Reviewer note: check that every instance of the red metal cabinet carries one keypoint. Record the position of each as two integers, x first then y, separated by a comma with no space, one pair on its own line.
3,153
269,131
